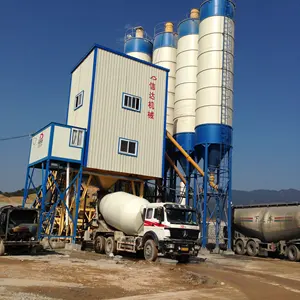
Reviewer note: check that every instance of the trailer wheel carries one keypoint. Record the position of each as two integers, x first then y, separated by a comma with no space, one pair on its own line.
293,253
150,250
2,248
239,247
252,249
110,246
99,244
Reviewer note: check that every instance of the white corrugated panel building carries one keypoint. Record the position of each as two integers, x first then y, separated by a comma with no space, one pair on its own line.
57,142
121,101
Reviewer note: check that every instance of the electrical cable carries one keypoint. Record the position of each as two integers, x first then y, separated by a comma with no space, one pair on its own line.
14,137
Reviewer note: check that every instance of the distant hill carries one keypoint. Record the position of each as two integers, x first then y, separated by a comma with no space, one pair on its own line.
265,196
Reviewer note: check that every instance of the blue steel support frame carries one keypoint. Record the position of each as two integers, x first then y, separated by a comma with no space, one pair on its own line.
229,201
79,181
222,197
195,196
204,215
187,185
26,188
218,221
49,216
45,173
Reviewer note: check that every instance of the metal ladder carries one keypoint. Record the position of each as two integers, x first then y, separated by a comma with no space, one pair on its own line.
225,72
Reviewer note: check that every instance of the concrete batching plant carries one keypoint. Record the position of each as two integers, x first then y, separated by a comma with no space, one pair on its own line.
160,112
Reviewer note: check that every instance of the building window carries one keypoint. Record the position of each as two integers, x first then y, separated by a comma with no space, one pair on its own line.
128,147
78,100
131,102
77,136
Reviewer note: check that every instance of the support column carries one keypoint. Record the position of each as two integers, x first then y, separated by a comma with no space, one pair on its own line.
187,185
218,224
195,196
204,224
45,172
26,187
229,201
67,193
77,203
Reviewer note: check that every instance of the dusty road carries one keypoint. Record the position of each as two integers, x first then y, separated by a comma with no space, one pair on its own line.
84,275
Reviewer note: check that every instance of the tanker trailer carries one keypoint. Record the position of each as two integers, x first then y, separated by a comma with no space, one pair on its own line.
266,229
127,223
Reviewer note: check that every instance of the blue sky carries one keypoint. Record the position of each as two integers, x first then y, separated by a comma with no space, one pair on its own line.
42,40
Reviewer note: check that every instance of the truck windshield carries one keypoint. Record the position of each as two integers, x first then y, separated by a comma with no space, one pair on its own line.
181,216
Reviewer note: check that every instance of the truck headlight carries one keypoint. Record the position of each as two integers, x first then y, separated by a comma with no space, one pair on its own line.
171,246
197,247
33,238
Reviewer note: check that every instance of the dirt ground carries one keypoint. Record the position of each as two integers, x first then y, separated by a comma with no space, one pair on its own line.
86,275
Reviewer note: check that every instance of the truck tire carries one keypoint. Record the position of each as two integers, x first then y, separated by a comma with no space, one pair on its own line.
99,244
252,249
110,246
150,251
239,247
2,248
293,253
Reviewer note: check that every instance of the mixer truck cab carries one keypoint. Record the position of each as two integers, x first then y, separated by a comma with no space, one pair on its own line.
127,223
173,230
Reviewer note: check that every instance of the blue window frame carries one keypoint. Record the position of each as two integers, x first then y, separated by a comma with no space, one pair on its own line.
78,102
131,102
128,147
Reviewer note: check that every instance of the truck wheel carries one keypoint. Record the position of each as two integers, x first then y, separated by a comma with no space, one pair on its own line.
252,249
150,250
293,253
239,247
99,244
2,248
110,246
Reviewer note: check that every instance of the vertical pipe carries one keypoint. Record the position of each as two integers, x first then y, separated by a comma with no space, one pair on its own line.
45,172
218,222
204,224
26,188
187,185
229,201
195,196
165,185
142,188
171,184
174,183
77,204
68,193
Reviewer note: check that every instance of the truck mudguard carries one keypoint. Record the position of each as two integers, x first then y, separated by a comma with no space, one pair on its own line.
150,235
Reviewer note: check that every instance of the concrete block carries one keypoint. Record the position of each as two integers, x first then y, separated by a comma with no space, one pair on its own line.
203,252
70,246
52,244
228,252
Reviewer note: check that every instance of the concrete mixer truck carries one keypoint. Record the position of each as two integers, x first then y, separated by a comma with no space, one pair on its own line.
267,229
127,223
